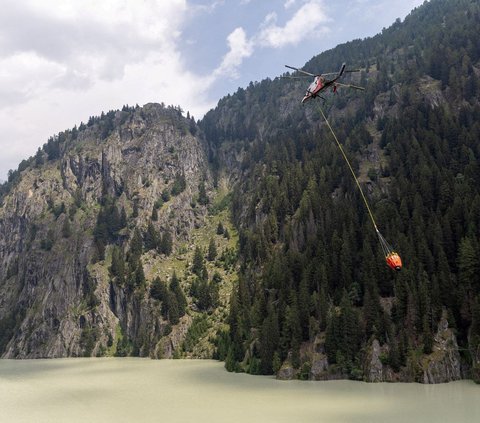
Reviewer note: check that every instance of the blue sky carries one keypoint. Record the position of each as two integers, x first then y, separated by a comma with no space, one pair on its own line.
62,61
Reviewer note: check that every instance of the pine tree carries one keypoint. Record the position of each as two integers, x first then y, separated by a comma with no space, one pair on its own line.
269,339
166,244
135,209
123,218
173,313
226,234
139,275
212,250
202,194
474,340
136,247
179,295
198,265
151,237
158,290
467,262
154,214
117,268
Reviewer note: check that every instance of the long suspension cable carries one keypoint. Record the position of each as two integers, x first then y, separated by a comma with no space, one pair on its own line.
353,174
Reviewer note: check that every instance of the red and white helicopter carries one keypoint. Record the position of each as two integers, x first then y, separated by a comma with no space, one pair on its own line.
320,82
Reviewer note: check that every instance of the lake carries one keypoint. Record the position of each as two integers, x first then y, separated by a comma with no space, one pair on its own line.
143,390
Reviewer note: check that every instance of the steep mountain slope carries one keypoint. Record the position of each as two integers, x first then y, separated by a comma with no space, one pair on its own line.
116,238
93,230
315,299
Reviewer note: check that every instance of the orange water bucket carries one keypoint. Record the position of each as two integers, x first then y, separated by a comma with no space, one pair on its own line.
394,261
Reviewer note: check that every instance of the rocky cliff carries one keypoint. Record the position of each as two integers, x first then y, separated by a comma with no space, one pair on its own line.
58,297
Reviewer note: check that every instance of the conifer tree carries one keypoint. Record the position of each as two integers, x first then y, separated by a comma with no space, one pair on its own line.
139,275
136,247
151,237
269,339
123,218
158,290
179,295
166,243
212,250
197,265
202,194
117,268
155,214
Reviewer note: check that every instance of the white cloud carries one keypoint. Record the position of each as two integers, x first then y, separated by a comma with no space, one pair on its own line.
289,3
239,48
62,61
308,21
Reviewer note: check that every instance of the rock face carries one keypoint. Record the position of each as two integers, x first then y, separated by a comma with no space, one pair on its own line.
443,364
56,298
374,366
287,372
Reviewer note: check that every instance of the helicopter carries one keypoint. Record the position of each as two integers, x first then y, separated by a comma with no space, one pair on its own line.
320,82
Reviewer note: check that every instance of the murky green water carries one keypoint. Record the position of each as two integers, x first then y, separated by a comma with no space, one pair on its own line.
143,390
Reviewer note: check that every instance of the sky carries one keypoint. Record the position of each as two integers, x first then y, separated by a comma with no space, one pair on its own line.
62,61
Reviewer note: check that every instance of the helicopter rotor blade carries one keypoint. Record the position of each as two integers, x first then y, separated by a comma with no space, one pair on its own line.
300,70
294,77
355,87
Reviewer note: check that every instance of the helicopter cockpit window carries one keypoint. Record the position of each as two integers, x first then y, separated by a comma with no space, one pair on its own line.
312,86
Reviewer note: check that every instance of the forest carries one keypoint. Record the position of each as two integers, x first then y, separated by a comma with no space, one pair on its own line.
311,261
311,270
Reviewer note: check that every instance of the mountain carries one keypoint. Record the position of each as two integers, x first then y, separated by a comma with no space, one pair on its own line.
315,299
94,228
243,236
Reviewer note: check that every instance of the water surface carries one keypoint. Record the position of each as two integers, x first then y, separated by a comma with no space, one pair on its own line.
144,390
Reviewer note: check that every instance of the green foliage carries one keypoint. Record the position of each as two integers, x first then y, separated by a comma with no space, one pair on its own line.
198,264
197,329
124,347
212,250
158,289
57,209
165,195
205,292
117,268
88,338
7,329
166,243
174,302
305,238
202,194
151,238
222,344
109,223
89,287
177,290
179,185
136,247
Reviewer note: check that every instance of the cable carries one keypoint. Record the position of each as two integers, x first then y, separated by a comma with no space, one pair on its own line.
353,174
393,259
